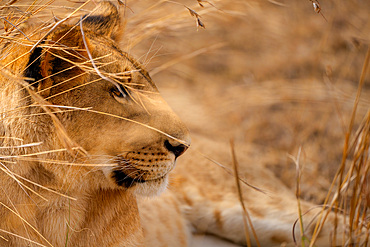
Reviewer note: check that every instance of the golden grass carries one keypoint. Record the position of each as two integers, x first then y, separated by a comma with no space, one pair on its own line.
351,192
248,224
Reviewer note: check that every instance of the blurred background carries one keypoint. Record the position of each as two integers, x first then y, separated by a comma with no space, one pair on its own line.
274,74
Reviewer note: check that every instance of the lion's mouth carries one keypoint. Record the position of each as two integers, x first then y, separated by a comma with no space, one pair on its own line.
129,176
122,179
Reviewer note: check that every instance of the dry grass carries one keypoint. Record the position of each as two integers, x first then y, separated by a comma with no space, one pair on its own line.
352,180
248,224
285,78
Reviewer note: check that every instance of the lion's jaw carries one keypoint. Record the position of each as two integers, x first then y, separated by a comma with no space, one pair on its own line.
144,170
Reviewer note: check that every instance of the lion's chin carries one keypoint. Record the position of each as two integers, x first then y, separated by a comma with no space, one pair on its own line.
150,188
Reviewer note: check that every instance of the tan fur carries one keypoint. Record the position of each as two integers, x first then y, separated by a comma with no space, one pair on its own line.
101,209
162,221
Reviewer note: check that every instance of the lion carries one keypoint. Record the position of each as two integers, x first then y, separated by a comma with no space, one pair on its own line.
85,136
86,122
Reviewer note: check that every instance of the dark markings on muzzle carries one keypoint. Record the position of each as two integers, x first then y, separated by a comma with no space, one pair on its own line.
124,180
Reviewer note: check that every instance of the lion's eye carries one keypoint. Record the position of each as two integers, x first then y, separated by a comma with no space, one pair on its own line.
119,91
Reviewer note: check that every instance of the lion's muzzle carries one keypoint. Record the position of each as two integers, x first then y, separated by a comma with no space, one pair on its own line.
148,164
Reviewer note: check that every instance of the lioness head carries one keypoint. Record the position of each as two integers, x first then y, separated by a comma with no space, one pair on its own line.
107,103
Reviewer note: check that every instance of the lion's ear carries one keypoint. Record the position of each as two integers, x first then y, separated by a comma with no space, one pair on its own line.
62,51
104,20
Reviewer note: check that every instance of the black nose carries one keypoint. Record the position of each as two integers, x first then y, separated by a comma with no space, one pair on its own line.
176,150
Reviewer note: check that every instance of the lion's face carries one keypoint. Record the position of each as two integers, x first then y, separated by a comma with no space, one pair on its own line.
119,118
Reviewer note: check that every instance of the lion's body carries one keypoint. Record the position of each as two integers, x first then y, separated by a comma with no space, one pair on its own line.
80,140
207,197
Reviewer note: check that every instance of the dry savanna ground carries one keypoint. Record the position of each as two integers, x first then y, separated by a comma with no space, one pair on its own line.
274,74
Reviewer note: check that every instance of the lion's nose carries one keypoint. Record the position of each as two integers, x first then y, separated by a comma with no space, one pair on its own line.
177,150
